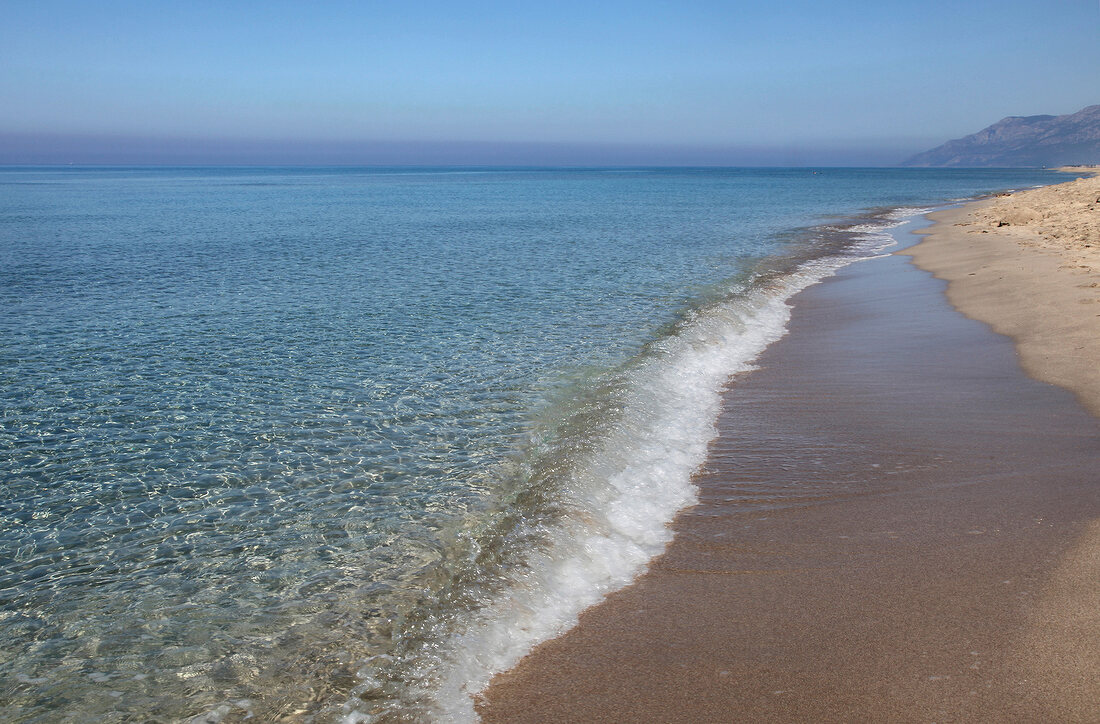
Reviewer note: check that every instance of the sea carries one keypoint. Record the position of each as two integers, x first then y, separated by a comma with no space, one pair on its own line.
339,444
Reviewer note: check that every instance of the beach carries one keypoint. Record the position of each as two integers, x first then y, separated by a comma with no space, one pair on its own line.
549,363
898,519
1028,264
377,454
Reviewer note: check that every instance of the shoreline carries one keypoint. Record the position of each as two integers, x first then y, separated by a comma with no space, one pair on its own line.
750,611
1009,262
1028,264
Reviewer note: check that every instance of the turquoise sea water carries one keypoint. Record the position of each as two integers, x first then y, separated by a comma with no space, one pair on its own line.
327,444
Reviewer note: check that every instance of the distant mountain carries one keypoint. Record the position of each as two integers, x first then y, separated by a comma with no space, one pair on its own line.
1023,141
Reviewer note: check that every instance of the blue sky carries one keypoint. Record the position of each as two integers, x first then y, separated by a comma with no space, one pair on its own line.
850,80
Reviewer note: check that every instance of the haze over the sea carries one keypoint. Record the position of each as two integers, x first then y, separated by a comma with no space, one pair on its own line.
614,83
355,353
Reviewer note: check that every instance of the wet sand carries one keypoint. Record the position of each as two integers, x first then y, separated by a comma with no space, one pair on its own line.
888,531
1028,264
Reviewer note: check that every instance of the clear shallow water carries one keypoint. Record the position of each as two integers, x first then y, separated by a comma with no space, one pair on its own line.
336,444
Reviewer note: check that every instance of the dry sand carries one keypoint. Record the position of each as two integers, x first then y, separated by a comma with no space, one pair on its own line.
1028,264
895,524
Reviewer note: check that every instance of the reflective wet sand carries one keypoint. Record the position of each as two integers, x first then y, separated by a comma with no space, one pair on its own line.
885,526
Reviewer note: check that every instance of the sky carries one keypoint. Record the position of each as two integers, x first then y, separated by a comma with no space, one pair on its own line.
587,83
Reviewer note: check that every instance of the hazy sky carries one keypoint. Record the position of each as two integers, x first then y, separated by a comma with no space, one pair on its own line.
637,80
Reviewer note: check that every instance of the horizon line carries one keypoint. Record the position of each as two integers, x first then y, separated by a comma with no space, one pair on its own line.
22,148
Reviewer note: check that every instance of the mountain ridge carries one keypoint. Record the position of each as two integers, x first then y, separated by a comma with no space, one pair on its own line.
1042,140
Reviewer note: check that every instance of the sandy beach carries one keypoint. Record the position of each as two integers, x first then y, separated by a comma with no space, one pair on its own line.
1028,264
896,523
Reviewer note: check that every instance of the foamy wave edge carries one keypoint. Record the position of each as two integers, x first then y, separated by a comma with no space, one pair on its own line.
638,481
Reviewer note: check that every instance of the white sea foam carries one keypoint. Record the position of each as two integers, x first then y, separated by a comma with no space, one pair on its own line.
875,237
904,213
631,487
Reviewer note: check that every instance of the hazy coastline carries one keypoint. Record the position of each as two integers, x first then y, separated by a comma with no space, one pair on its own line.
549,363
928,545
484,557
